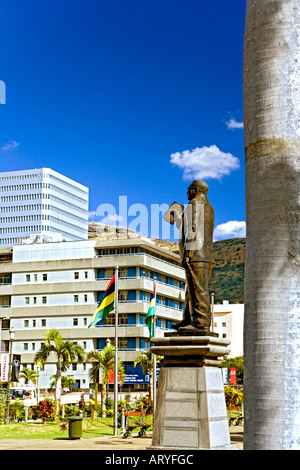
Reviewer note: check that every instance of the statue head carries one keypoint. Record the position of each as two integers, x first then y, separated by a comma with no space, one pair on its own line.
195,188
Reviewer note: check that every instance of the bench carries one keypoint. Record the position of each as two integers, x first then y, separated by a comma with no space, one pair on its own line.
129,428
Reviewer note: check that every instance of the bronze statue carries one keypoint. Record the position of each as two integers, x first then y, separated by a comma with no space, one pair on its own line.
196,226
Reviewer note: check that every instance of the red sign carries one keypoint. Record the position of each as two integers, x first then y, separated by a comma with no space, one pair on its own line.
4,367
232,375
111,377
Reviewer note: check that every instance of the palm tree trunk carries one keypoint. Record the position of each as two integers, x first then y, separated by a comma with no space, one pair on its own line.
151,383
94,410
58,391
272,148
103,400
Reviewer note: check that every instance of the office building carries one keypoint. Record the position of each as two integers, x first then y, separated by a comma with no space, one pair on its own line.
58,285
41,204
229,324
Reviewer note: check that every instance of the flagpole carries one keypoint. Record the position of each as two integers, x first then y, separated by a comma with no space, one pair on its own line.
154,355
116,352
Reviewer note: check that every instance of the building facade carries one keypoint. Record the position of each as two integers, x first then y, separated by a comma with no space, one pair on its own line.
58,285
229,324
41,204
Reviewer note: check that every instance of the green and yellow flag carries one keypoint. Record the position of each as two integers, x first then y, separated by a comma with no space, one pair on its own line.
151,314
107,303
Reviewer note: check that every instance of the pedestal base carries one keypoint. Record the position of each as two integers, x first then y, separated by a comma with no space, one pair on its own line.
191,411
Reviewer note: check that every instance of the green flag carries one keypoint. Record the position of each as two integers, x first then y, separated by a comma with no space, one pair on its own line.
151,314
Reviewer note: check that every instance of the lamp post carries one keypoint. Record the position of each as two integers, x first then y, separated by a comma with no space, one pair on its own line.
11,338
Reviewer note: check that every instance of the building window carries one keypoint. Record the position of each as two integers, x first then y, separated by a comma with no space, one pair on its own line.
26,323
76,275
25,346
146,297
34,323
45,277
76,298
44,300
85,297
43,323
84,344
27,277
123,272
75,321
86,274
74,366
26,300
35,277
33,346
85,321
109,273
123,294
34,300
224,324
161,300
122,343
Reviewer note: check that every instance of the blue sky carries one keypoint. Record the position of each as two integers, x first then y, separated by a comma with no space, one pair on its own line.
131,98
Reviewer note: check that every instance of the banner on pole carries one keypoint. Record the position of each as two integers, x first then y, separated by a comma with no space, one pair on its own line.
232,375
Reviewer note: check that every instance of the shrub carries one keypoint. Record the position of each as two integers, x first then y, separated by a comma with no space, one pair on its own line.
232,397
17,410
45,410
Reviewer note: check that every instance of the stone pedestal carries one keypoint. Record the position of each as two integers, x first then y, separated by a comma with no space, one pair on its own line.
190,410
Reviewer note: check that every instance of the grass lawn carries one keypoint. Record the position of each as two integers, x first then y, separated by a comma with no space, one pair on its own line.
91,428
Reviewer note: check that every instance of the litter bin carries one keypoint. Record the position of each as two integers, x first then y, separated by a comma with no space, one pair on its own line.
75,427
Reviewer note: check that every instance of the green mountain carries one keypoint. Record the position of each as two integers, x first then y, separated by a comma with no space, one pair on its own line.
227,277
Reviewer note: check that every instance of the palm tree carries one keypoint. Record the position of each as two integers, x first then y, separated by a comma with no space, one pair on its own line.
102,363
272,148
66,352
66,381
28,375
145,360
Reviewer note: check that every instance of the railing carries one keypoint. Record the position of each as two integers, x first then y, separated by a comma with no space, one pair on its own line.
147,302
128,325
139,254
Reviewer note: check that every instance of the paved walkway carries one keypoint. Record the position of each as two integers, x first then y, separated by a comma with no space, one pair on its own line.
104,443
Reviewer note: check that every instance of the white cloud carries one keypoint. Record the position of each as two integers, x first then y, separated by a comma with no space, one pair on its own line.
109,219
112,219
10,145
205,163
231,229
92,215
233,124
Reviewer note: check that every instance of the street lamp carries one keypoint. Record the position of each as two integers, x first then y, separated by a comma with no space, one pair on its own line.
11,338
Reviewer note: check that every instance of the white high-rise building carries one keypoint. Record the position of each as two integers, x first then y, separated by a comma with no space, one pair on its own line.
41,204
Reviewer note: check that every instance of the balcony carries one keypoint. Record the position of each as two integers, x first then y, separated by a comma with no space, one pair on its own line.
140,259
180,286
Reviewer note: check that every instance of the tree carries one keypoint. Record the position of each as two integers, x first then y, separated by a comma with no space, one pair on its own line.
66,352
102,363
28,375
66,381
272,301
145,360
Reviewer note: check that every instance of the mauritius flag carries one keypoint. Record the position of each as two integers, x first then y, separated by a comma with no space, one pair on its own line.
107,303
151,314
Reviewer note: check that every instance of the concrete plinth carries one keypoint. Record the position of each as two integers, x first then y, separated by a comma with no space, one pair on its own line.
191,410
